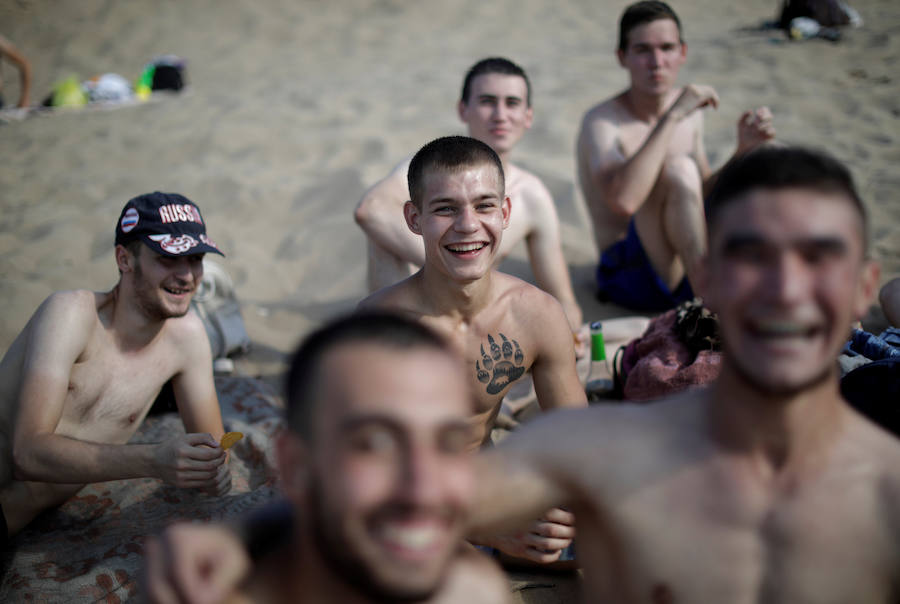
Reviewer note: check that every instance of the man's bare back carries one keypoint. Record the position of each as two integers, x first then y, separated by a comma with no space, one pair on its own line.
519,328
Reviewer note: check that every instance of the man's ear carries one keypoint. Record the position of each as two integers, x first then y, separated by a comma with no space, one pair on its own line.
411,214
620,54
461,108
125,260
506,209
867,289
292,456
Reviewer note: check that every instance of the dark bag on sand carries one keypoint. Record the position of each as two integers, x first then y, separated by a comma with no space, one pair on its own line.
873,389
828,13
679,350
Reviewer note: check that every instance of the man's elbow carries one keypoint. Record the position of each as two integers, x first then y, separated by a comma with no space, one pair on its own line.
363,213
24,466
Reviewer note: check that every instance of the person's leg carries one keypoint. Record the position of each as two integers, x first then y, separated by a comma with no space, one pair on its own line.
671,224
384,268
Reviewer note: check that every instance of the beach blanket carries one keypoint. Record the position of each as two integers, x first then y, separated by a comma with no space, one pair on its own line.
91,548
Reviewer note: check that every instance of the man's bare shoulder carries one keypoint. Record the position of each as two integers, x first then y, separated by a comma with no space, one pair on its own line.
187,330
611,110
76,305
528,187
402,297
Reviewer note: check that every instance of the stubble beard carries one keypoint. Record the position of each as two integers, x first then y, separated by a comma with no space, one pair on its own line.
345,565
150,305
747,377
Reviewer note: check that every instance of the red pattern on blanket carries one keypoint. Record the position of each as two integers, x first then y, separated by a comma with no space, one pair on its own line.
91,548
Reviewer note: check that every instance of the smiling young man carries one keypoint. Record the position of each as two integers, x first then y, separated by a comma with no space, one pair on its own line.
496,107
501,325
782,491
643,168
376,467
79,379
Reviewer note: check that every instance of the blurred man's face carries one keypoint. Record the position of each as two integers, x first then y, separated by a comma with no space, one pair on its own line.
497,111
787,275
391,481
653,56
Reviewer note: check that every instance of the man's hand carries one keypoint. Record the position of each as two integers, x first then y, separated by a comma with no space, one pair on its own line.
194,564
693,97
193,461
754,128
545,540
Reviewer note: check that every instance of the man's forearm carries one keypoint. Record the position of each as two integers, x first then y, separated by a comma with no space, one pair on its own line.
631,184
60,459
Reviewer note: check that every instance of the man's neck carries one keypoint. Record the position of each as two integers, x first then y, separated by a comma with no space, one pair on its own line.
130,326
461,301
782,433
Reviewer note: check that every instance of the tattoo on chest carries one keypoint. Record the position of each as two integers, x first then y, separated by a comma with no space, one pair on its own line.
502,366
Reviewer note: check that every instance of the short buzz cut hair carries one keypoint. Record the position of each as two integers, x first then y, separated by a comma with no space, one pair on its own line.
643,12
494,65
390,331
774,168
447,154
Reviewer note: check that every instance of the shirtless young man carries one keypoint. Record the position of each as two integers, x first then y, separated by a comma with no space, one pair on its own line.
376,467
767,486
502,325
496,106
643,168
79,379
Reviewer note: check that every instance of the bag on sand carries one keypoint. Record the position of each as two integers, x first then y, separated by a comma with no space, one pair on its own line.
216,304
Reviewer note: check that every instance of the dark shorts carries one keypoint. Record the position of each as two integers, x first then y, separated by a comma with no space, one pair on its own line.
626,277
4,531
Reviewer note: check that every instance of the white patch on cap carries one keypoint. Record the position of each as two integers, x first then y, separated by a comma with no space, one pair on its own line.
175,245
129,220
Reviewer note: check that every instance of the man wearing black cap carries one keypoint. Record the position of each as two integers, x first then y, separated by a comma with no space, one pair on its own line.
80,377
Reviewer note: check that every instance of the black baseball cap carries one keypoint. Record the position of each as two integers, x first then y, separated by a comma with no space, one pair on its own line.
168,223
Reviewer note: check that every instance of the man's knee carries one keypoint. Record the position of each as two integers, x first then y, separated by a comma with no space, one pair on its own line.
681,174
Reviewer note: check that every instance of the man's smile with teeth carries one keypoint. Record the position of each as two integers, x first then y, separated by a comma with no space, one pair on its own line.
782,329
177,290
466,247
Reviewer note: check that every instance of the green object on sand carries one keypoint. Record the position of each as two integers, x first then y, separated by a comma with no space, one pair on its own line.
69,93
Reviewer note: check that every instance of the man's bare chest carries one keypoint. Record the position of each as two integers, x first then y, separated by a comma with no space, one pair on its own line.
497,354
109,392
708,540
683,141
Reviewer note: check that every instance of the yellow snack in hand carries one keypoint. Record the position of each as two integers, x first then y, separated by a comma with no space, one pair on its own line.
229,439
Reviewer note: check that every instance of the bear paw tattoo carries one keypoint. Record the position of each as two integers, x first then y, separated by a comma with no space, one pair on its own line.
502,367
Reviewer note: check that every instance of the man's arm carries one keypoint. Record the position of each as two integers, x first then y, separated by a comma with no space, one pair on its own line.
626,183
754,128
58,334
380,215
8,50
551,273
195,390
555,378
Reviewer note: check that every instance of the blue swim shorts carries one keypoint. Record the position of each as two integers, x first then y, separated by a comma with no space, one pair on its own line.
626,277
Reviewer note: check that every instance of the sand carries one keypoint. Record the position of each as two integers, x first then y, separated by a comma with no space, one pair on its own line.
295,107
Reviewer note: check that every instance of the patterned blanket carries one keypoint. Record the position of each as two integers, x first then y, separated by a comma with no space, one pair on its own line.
91,548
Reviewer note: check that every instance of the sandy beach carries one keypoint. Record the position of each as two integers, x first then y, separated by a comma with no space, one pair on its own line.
294,108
